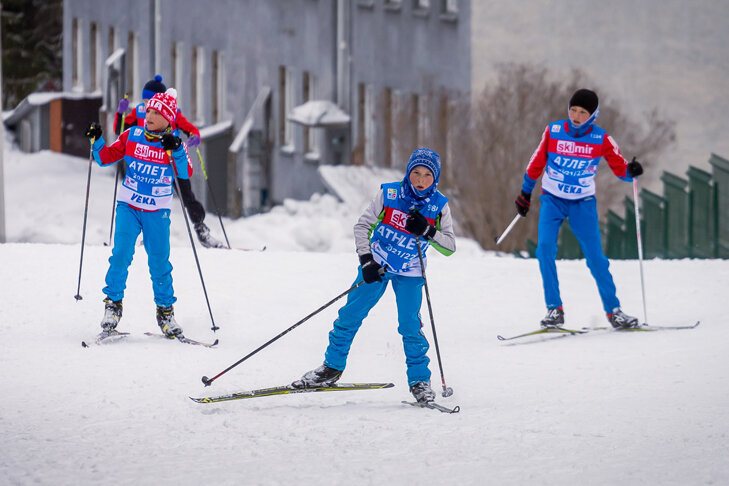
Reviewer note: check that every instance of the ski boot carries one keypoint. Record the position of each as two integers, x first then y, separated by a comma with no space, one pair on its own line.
619,320
553,319
166,322
112,314
203,235
321,376
422,392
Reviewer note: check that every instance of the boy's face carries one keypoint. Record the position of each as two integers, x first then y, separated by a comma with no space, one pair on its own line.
155,121
421,178
578,115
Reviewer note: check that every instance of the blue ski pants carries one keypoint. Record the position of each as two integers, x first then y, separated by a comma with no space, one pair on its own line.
408,296
155,228
582,215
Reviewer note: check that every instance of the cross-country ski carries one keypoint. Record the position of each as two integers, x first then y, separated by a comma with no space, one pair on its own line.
288,390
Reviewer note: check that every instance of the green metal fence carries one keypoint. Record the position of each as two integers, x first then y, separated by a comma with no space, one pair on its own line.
720,176
700,214
690,219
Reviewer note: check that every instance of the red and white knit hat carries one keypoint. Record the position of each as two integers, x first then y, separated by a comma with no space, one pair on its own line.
165,104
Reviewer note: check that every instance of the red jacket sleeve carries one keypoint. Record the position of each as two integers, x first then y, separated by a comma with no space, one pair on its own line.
185,125
538,162
615,159
114,152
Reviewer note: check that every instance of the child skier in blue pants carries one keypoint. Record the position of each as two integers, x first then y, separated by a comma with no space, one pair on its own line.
568,156
385,239
154,155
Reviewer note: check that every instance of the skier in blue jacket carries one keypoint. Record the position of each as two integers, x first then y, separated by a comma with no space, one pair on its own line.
568,156
385,237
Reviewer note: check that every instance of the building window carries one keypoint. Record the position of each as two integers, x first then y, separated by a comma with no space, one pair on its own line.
218,87
449,6
132,71
449,10
393,5
369,124
309,93
75,54
197,69
387,127
421,8
286,104
94,53
111,41
172,79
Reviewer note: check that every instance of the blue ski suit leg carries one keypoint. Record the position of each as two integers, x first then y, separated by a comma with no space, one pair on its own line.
156,234
126,232
360,301
583,221
584,224
409,297
552,214
155,227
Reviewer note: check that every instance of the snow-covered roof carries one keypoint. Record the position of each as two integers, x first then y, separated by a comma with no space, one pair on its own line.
319,113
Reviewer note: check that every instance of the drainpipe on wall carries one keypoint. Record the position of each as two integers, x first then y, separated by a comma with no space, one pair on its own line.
2,149
157,36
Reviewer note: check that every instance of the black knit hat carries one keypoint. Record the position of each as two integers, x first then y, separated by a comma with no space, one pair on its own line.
586,99
153,87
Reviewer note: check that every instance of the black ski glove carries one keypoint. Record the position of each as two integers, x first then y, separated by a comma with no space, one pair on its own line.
523,201
93,131
371,270
634,168
419,226
171,142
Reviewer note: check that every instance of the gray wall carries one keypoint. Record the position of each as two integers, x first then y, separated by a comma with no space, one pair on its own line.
393,49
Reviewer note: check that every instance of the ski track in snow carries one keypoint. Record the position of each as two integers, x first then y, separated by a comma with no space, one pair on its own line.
604,408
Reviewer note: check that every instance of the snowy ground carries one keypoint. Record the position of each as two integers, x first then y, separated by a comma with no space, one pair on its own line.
604,408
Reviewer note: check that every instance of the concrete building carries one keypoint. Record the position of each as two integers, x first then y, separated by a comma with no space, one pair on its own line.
243,68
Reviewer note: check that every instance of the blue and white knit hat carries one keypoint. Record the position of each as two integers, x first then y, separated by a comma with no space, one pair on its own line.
428,159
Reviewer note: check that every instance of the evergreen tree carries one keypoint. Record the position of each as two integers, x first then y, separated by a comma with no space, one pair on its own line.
31,48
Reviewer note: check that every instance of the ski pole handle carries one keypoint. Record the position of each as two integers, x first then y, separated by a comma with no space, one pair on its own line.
499,239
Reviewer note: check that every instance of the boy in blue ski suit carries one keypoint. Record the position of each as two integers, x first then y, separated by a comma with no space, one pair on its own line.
154,155
385,238
568,155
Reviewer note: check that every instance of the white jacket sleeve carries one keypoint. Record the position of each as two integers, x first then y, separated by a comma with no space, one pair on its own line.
366,223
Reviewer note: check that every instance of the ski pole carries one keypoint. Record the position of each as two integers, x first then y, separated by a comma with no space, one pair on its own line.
447,391
113,204
208,381
192,241
212,196
86,213
499,239
640,246
116,185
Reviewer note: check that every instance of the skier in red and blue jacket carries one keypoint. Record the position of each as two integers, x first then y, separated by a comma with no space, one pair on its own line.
136,118
385,238
567,159
154,155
